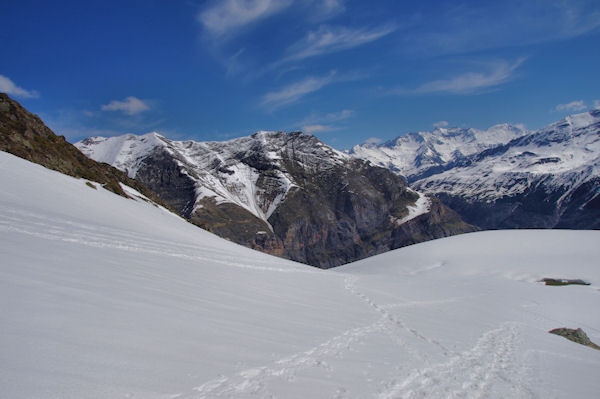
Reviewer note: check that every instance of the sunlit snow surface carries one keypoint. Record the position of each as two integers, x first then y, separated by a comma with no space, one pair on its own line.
105,297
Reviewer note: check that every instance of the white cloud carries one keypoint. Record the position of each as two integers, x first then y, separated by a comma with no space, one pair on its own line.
466,27
499,73
327,40
373,141
327,8
440,124
317,118
317,122
9,87
573,106
310,129
130,106
227,16
293,92
597,104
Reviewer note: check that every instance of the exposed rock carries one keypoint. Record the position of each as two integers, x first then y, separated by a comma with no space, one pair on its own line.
563,281
579,336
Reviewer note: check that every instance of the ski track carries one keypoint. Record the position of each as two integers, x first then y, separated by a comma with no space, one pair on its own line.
254,381
69,231
473,373
392,322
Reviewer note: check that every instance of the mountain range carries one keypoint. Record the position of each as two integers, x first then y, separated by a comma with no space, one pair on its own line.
286,194
506,176
290,195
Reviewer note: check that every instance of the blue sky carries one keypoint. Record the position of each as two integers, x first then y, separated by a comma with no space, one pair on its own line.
346,71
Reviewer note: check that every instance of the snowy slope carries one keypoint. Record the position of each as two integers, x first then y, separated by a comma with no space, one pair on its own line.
123,152
105,297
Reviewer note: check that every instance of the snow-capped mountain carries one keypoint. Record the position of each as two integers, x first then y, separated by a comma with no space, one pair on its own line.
107,297
285,193
544,178
416,155
223,172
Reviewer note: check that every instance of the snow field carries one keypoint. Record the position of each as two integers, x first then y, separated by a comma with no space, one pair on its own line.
108,297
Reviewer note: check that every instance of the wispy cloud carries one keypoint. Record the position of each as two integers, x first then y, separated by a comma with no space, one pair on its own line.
573,106
597,104
9,87
464,27
440,124
498,73
326,40
226,17
373,141
310,129
318,122
129,106
330,117
295,91
323,9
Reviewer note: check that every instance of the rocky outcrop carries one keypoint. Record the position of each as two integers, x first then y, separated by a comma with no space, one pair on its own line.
576,335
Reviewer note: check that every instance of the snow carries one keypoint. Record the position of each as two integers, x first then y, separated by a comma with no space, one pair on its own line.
123,152
563,156
106,297
215,167
416,152
422,205
502,161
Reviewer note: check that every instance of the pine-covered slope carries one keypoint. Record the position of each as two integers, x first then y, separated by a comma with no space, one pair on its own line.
284,193
549,178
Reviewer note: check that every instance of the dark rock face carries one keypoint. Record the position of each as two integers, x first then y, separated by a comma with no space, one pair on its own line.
441,221
337,215
348,213
25,135
538,207
162,175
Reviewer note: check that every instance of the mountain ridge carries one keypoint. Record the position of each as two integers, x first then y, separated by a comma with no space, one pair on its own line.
286,193
544,178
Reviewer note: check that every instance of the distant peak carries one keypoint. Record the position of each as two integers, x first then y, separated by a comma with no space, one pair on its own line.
583,119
